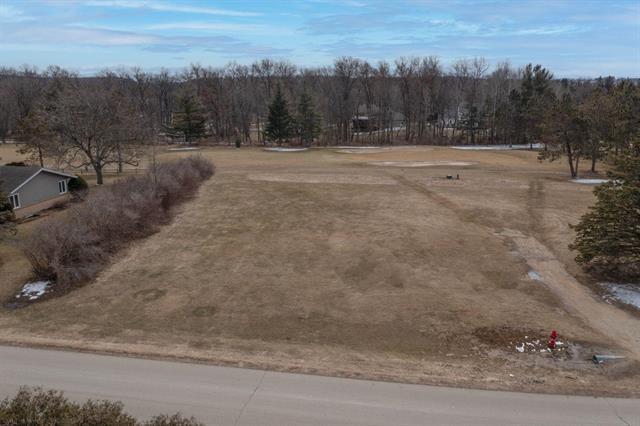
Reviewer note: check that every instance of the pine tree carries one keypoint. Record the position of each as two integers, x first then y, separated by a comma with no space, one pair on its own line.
608,236
279,127
308,121
565,133
536,98
189,121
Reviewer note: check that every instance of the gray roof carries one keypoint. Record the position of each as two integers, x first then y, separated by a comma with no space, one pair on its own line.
11,177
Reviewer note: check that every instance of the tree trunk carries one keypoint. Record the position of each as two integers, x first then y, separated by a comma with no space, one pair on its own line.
98,170
120,167
574,171
594,156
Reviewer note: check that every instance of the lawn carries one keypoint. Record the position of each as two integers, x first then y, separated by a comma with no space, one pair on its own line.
346,262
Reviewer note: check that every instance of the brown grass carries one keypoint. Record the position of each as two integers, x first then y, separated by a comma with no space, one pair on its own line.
290,261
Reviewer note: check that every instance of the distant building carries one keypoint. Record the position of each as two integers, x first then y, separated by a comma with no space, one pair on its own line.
362,123
33,189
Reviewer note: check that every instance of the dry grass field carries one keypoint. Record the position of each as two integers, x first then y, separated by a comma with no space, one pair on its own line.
352,263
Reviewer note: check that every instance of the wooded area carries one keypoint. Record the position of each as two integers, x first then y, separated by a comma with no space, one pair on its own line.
107,119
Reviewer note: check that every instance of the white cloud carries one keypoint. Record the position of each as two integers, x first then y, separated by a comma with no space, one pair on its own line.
12,14
217,26
66,35
564,29
166,7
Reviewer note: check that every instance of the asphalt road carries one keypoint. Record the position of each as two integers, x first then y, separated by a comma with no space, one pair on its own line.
235,396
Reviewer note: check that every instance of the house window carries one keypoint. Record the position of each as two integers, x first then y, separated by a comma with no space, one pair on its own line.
15,201
62,186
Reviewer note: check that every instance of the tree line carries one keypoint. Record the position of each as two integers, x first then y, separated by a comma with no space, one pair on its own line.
108,118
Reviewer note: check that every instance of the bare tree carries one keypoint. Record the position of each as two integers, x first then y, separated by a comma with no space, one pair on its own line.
346,71
97,125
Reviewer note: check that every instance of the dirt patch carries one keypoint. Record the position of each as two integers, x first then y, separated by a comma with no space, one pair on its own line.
318,178
420,163
149,294
504,336
204,311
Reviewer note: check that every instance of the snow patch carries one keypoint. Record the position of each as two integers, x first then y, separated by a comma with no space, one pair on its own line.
373,132
33,290
589,181
285,149
420,163
497,147
361,150
625,293
535,276
359,147
189,148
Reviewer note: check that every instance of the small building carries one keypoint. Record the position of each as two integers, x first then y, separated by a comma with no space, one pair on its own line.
33,189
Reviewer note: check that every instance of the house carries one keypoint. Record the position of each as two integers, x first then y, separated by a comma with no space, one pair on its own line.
32,189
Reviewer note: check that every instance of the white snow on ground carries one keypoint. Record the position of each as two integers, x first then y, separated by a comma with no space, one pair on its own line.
535,276
33,290
359,147
361,150
496,147
373,132
590,181
625,293
420,163
188,148
286,149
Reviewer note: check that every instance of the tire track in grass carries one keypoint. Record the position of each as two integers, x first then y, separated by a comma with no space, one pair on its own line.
579,300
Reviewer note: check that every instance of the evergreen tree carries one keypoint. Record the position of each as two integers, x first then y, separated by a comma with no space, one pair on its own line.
471,123
608,236
308,121
535,98
565,132
7,217
279,127
189,121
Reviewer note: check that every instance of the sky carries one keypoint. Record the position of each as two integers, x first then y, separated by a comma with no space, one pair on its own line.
572,38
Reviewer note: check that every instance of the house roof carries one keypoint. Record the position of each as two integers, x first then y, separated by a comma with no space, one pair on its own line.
13,177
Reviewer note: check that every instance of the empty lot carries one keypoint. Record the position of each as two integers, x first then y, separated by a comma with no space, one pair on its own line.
349,263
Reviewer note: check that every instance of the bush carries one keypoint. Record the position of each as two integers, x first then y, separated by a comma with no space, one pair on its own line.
36,407
17,164
78,184
73,248
7,217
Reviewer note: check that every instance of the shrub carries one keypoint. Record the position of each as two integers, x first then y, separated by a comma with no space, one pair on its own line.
7,217
17,164
174,420
73,248
78,184
36,407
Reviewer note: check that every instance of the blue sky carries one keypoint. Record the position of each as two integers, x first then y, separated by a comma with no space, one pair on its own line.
573,38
